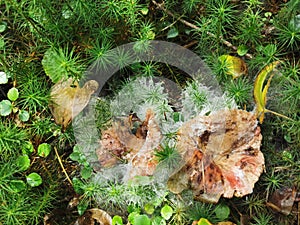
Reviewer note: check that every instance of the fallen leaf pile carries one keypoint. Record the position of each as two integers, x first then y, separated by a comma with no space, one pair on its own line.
68,99
222,157
221,153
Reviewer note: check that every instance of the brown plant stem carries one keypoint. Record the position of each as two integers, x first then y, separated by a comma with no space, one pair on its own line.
62,166
225,42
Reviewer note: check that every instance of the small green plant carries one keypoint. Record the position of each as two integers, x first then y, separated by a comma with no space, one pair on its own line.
262,219
250,28
223,13
12,139
60,64
289,33
8,106
34,94
240,90
254,204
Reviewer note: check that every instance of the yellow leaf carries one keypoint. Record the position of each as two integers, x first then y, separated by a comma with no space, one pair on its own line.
235,66
204,221
226,223
260,91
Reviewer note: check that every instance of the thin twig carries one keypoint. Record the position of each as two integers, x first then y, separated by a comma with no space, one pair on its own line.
62,166
167,27
225,42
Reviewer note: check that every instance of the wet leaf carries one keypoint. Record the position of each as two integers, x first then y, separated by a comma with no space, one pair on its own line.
23,162
34,179
142,220
282,200
242,50
23,115
44,149
3,77
5,108
117,220
166,212
173,32
222,212
226,223
17,185
13,94
214,166
235,66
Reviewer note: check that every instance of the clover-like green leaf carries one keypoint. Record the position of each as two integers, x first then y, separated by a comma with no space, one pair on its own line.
172,33
166,212
3,77
17,185
5,107
34,179
23,162
44,149
13,94
222,212
142,220
86,172
23,115
27,148
3,26
242,50
117,220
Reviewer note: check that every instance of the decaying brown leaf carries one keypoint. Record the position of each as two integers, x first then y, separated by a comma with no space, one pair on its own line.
282,200
220,159
68,99
121,144
94,216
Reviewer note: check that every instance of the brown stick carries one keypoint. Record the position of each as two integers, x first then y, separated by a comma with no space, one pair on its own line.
62,166
225,42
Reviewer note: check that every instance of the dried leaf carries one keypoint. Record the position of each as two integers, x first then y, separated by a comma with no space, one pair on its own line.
235,66
68,99
226,223
282,200
120,144
94,216
220,159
